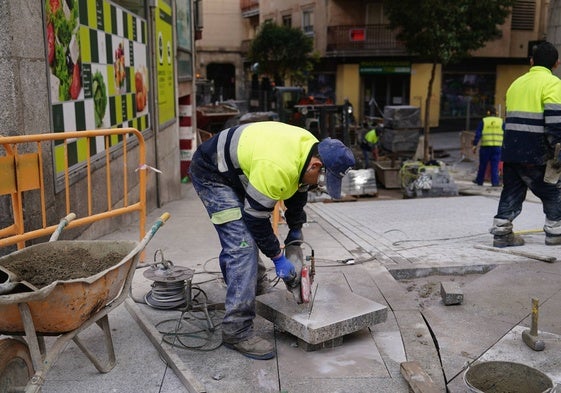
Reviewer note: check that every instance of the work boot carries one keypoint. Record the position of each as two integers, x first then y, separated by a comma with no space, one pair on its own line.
254,347
552,240
509,240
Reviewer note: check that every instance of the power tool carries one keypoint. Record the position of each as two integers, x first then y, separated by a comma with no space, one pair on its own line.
301,286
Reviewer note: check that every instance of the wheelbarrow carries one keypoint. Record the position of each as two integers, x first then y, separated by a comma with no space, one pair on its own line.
63,308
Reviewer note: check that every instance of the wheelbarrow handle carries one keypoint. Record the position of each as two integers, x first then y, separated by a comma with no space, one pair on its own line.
157,224
62,224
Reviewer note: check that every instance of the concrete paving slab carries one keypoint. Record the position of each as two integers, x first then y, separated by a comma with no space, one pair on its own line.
216,367
511,348
505,293
431,232
355,366
334,311
462,338
419,344
548,319
138,363
493,304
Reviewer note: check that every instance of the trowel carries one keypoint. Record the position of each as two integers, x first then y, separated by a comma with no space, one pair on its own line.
302,288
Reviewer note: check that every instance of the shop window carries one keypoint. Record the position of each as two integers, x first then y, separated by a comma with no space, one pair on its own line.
183,18
465,94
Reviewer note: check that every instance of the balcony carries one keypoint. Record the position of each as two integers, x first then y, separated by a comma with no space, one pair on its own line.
363,40
249,8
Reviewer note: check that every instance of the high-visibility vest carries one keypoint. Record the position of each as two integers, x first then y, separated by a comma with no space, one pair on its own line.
492,133
371,137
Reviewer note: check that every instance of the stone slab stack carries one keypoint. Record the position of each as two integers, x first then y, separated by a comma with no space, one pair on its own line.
402,124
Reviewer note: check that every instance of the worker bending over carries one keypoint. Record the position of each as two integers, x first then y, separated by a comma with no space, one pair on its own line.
240,174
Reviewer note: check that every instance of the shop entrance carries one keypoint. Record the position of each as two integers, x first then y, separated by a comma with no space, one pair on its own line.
224,79
382,90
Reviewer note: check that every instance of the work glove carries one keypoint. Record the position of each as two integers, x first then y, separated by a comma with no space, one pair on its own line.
285,269
294,235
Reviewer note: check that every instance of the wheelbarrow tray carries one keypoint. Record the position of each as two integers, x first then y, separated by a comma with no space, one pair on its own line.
64,305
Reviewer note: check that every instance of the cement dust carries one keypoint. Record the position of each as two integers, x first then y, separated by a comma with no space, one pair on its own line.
426,290
49,265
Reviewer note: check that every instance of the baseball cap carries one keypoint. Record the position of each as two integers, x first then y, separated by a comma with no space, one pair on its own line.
337,160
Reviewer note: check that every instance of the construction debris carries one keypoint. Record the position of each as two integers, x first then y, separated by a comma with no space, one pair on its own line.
451,293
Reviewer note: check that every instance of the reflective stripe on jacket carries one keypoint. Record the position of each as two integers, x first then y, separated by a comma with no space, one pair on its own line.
492,134
533,117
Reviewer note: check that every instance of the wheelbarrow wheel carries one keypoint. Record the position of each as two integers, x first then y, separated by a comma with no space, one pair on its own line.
16,367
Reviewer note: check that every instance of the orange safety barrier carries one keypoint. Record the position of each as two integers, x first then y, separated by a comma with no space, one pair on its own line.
22,170
277,216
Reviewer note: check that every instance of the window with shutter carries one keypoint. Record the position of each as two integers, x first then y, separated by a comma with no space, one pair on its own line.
523,15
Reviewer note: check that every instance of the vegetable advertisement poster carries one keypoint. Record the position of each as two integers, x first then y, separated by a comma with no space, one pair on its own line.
98,75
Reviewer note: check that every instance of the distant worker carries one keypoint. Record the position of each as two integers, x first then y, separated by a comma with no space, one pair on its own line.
532,129
490,131
368,144
240,174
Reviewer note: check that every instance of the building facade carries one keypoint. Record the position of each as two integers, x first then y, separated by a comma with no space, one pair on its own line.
361,59
72,65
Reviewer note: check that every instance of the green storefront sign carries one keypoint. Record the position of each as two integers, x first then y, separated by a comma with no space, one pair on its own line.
370,68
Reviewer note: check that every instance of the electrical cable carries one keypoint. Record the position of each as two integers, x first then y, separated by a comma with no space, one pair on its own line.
196,327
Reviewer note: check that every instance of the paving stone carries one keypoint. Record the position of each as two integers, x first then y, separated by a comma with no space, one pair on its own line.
334,312
451,293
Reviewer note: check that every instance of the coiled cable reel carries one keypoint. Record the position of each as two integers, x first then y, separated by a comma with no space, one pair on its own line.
172,284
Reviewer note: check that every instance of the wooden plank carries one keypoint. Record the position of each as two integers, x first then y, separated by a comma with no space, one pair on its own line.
418,379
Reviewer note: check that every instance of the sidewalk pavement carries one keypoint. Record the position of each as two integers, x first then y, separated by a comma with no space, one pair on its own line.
403,250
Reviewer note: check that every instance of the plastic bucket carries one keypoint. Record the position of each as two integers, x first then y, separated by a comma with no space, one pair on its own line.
503,377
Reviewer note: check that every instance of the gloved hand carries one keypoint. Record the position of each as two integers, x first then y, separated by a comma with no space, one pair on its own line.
294,235
284,268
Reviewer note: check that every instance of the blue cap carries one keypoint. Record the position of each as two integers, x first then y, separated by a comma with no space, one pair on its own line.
337,160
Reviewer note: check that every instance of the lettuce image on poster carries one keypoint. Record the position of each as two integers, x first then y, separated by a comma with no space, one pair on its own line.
63,49
99,91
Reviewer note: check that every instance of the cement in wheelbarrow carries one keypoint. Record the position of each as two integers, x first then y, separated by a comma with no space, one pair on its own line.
64,305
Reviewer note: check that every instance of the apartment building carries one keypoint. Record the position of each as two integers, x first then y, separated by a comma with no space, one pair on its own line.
362,60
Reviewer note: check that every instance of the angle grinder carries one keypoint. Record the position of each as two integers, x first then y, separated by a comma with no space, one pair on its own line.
302,289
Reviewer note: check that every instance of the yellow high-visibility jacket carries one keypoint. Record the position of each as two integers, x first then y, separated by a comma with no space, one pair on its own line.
533,117
265,163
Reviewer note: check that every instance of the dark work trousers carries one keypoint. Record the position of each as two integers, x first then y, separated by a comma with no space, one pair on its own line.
239,256
517,179
489,155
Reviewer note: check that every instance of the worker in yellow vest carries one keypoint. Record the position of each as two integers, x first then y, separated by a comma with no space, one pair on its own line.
490,132
240,174
369,144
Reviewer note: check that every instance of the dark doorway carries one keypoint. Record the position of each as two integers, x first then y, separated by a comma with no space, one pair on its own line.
382,90
224,79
